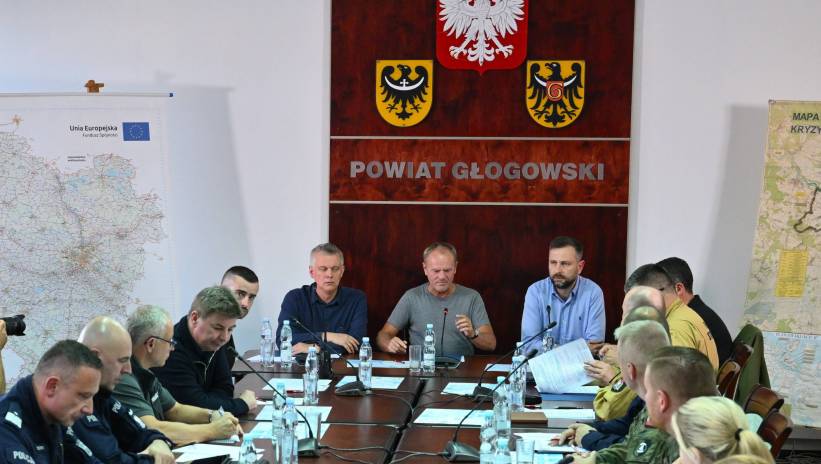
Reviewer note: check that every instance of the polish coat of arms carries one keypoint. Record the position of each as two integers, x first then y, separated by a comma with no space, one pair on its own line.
481,34
555,91
404,90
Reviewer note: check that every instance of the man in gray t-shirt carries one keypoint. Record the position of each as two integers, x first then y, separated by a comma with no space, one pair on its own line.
466,326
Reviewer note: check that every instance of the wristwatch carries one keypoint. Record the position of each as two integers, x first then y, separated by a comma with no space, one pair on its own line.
475,335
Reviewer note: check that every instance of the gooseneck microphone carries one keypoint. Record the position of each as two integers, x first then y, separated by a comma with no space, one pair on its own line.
444,360
461,452
479,392
325,369
355,388
305,446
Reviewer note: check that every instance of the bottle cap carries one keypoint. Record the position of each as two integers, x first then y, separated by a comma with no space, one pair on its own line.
311,349
289,401
429,326
366,339
286,322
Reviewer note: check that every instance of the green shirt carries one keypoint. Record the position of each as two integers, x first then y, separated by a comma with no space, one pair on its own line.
643,444
143,393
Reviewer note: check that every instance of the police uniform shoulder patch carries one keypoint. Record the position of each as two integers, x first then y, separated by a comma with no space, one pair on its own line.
618,386
83,447
14,419
91,418
641,449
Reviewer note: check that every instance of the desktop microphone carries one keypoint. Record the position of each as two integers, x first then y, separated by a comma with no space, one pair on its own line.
305,446
461,452
355,388
481,391
443,360
325,368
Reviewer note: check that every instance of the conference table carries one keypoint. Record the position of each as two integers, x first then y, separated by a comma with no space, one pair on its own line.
384,420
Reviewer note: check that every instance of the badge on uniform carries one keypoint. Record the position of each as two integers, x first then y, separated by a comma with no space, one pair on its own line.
404,90
618,386
555,97
641,449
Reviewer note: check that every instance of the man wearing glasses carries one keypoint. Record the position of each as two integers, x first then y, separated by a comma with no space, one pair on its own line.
151,330
338,314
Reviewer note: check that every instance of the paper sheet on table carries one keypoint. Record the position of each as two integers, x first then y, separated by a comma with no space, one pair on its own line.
378,382
262,431
205,450
547,458
571,414
562,368
384,364
542,443
499,367
449,416
226,441
267,412
296,384
277,359
465,388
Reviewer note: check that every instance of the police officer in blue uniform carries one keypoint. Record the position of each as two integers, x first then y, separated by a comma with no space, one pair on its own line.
114,434
35,413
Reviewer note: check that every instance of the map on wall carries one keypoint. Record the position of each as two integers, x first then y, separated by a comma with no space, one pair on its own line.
84,229
784,286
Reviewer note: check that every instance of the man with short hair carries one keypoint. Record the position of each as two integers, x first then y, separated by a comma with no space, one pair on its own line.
638,341
425,304
36,411
197,371
151,333
687,328
244,284
112,432
574,302
337,314
682,277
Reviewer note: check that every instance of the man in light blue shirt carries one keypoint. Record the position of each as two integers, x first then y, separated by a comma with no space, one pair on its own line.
574,302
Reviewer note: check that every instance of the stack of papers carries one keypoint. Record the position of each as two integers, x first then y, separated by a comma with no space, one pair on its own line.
296,384
579,415
558,370
267,412
204,450
450,417
383,383
466,388
277,359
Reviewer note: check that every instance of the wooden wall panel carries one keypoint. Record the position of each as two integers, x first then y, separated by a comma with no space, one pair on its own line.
502,250
465,103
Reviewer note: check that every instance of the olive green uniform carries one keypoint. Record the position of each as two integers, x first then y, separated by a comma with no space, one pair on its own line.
643,444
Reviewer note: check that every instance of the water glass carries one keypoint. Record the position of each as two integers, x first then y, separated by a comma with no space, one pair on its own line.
525,449
267,352
310,386
415,359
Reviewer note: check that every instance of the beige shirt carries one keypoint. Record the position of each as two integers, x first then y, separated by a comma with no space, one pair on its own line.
688,329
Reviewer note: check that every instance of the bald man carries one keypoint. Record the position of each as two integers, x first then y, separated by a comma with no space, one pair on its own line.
112,431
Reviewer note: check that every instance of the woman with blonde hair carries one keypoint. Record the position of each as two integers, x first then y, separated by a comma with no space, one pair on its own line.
711,428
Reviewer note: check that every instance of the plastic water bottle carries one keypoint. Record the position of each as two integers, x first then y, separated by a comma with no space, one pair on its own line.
518,351
288,443
501,412
266,343
276,420
548,342
247,453
488,430
285,338
518,382
312,361
365,362
486,453
502,455
311,376
429,352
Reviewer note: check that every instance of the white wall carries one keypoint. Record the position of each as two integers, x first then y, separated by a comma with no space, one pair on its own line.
249,122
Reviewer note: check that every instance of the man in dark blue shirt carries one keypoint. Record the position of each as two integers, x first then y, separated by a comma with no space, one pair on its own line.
338,314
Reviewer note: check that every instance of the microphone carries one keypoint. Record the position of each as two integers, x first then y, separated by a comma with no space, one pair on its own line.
355,388
481,391
305,446
461,452
445,361
325,368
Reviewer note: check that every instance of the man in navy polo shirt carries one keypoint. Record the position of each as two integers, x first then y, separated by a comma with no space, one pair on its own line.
338,314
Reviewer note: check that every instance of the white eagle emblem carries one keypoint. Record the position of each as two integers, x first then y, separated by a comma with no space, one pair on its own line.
482,23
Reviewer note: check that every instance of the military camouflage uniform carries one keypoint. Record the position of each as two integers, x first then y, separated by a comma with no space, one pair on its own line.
643,444
612,401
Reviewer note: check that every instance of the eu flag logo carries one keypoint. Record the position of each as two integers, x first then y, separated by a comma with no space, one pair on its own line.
135,131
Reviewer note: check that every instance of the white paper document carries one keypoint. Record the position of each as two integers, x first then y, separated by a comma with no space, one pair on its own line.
450,416
560,369
583,389
267,412
542,443
296,384
384,364
205,450
499,367
570,414
382,383
466,388
263,431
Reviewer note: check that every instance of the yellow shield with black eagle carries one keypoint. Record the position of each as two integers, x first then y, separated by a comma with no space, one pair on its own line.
404,90
555,91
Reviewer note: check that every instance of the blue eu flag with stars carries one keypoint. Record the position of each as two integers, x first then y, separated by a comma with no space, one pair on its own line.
135,131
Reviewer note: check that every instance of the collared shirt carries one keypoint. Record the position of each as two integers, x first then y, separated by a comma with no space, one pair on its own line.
688,329
580,316
347,313
143,393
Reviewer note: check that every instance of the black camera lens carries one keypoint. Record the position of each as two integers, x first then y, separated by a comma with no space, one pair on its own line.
15,325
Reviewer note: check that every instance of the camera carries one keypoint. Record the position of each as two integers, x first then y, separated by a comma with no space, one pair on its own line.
15,325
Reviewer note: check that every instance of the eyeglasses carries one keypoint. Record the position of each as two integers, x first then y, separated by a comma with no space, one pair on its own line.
173,343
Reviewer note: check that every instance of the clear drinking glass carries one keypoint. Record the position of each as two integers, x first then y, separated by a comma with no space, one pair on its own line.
415,359
310,386
267,352
524,451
